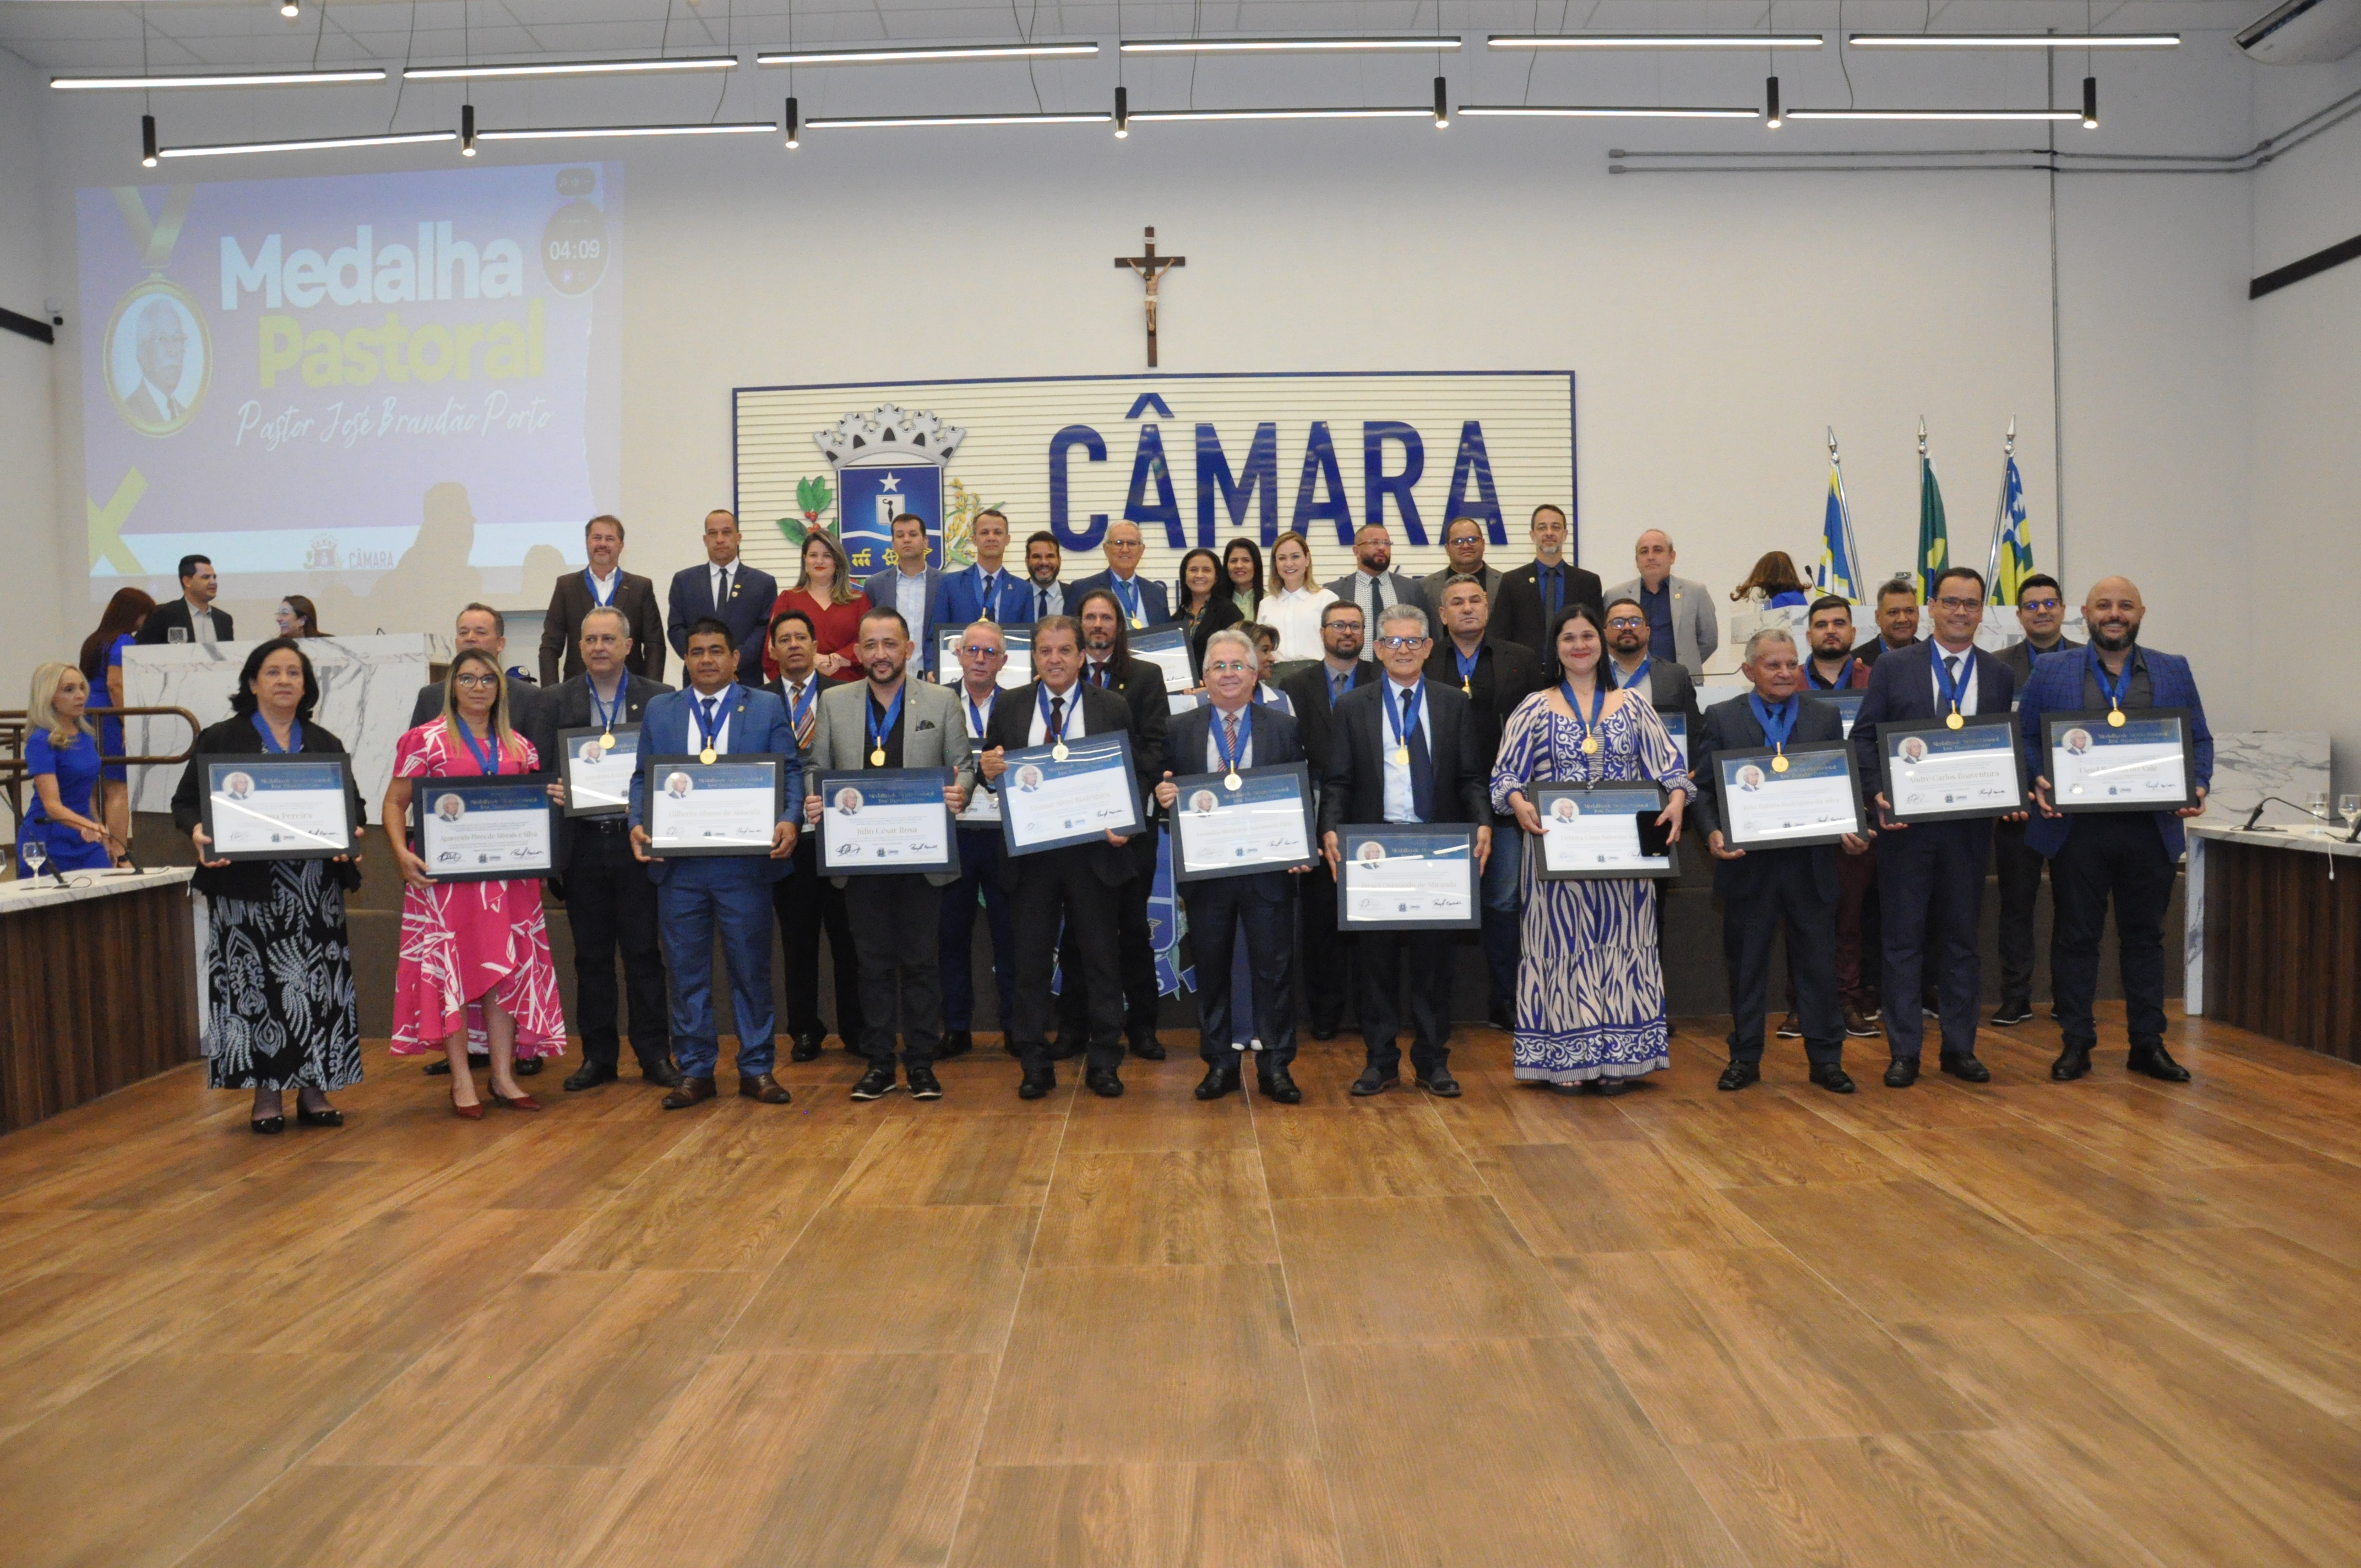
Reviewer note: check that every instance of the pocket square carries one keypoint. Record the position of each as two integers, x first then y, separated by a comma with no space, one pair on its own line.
926,724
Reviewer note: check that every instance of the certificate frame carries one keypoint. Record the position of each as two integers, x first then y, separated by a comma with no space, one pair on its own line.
831,784
1088,750
1891,737
1726,768
2056,729
426,796
656,769
216,767
1157,643
1545,796
1352,844
1257,781
569,745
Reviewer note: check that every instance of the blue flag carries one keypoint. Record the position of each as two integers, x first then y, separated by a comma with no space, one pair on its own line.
1840,561
2013,543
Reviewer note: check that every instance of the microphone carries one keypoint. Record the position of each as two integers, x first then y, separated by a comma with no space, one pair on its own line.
2254,816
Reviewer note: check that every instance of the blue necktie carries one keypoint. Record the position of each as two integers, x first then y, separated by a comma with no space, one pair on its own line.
1422,782
706,702
1041,606
1552,595
991,581
1338,685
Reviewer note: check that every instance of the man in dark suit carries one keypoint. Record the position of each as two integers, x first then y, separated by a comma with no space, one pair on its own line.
1432,774
1495,677
1930,877
2124,856
728,589
1373,584
1531,596
1044,593
806,903
192,613
1898,621
481,625
610,901
603,582
986,590
1077,885
1315,690
2041,611
1144,602
1230,733
1108,665
1762,889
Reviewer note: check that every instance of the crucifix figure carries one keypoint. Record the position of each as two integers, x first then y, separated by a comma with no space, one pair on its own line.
1152,269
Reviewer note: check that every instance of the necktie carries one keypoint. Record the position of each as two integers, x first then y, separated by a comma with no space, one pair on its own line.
991,592
1422,787
1952,662
1552,595
804,728
1057,715
721,594
1041,604
1229,735
1338,684
1376,598
707,705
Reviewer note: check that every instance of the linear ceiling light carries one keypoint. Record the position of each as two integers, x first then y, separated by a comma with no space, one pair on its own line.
1423,112
920,55
2013,41
1934,114
568,133
1282,46
1655,41
1606,111
222,79
318,144
875,122
569,68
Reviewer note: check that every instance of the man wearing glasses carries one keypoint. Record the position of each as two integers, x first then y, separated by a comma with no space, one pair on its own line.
2041,610
982,653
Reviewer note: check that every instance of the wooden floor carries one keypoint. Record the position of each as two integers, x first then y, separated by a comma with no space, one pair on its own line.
2109,1322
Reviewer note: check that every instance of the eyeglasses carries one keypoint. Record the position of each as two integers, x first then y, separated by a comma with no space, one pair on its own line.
1959,605
1626,623
2042,604
1226,667
475,682
1399,643
974,651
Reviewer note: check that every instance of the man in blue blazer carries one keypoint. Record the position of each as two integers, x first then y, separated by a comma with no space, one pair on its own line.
696,894
2126,856
986,591
1145,603
1930,878
728,589
910,586
1231,732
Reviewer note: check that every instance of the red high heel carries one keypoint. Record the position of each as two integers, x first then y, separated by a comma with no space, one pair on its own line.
517,1103
466,1112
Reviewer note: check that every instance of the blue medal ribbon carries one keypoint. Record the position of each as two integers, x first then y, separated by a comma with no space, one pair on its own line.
1597,707
592,584
876,732
979,717
2116,690
1776,730
1637,675
271,742
991,592
1221,739
487,755
1844,674
1401,725
1467,663
705,731
605,717
1130,601
1054,730
1943,681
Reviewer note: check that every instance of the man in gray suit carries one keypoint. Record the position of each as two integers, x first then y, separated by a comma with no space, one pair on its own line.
1682,625
909,585
888,721
1463,542
1373,584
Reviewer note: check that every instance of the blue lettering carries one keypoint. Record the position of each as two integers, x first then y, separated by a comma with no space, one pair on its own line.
1377,484
1147,463
1261,476
1472,464
1319,465
1086,438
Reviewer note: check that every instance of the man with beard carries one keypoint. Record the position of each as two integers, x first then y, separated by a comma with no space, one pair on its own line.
2125,857
2041,611
1373,584
1833,666
1045,596
1530,597
1315,690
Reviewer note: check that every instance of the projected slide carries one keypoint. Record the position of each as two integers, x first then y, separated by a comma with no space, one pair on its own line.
391,393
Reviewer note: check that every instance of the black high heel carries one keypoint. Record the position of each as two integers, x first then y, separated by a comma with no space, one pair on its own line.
331,1117
267,1125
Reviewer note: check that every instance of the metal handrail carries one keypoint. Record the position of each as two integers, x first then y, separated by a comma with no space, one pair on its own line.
14,722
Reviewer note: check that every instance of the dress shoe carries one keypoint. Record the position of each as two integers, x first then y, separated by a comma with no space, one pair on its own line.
1280,1084
1832,1077
2015,1011
265,1125
924,1084
1902,1072
1103,1082
1038,1082
762,1086
1147,1047
1501,1015
691,1092
466,1112
1738,1075
2156,1062
327,1116
1966,1068
589,1075
1220,1078
807,1048
2073,1062
530,1067
876,1083
517,1102
1376,1081
1324,1031
1440,1083
661,1073
1790,1028
956,1043
1861,1025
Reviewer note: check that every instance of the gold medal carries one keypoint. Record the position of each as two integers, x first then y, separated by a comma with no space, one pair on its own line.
2115,719
877,757
1779,763
707,755
1401,756
1954,721
1058,752
607,742
1590,745
1232,781
1464,690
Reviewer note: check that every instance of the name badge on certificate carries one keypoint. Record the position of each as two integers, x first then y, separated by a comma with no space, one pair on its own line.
1847,703
1607,831
1815,800
2144,764
1048,802
1015,641
1264,825
279,807
1167,648
484,829
732,807
886,819
599,776
1403,878
1933,773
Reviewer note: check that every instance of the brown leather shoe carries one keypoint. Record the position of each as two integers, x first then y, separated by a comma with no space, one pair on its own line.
692,1092
762,1087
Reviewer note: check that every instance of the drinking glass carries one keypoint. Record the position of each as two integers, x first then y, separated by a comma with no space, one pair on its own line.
2320,803
36,855
2348,807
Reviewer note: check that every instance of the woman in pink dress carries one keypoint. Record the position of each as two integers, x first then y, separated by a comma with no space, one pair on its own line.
475,960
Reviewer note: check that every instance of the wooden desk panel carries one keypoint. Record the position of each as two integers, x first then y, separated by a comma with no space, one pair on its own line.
2283,944
94,995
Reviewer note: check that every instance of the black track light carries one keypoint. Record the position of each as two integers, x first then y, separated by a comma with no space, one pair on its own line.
2090,102
147,141
1441,108
1122,113
1771,120
794,125
466,130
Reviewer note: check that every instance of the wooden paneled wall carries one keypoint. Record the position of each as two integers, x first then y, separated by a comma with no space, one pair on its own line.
94,996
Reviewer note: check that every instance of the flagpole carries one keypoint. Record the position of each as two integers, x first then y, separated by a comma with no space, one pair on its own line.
1844,509
2000,517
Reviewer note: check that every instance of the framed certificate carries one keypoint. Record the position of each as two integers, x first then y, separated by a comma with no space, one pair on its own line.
1816,800
727,807
1017,640
1932,773
1264,825
279,807
2145,766
1603,830
498,828
1677,725
1167,648
599,778
883,820
1408,878
1847,702
1046,804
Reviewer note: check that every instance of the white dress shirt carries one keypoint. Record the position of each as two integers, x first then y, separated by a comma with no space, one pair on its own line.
605,591
1966,677
1294,614
1076,727
1214,763
1367,587
722,707
910,598
201,625
1057,592
713,580
1401,798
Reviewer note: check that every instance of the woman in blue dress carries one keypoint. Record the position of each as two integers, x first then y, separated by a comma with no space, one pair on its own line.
101,666
62,758
1591,986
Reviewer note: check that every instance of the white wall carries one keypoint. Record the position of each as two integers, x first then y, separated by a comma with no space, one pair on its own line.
33,536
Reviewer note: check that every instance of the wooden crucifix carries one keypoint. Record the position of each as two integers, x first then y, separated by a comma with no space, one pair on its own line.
1152,269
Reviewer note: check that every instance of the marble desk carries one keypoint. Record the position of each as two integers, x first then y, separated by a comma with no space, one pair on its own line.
2274,932
367,687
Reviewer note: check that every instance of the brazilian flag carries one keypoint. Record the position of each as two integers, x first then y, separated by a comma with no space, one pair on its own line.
1933,539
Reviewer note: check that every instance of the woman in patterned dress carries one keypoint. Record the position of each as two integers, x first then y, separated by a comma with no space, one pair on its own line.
279,961
475,962
1591,987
